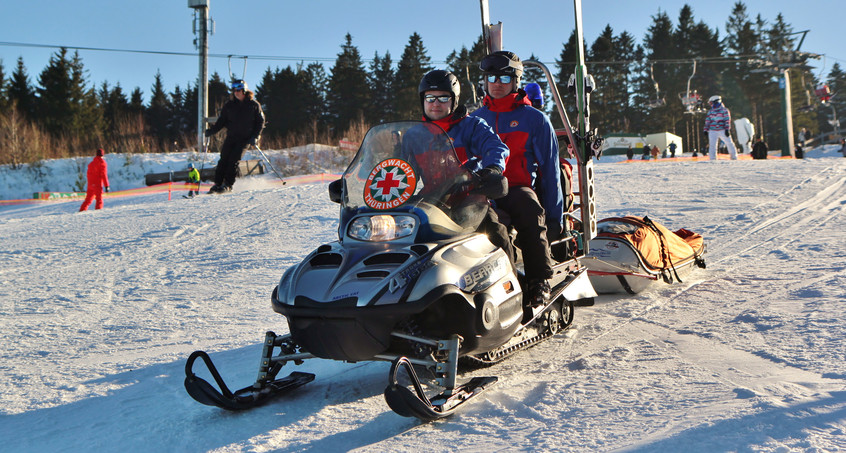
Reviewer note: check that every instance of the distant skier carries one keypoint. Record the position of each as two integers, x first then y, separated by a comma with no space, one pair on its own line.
718,127
759,150
243,119
843,146
98,180
193,178
673,147
629,153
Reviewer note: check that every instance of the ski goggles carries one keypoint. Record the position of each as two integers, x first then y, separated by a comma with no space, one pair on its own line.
499,64
237,86
431,98
491,78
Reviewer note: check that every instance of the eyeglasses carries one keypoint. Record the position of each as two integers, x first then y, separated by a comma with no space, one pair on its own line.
430,98
502,78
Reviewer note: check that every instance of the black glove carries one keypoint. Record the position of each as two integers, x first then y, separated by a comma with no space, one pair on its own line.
492,183
107,189
488,172
208,133
253,142
727,133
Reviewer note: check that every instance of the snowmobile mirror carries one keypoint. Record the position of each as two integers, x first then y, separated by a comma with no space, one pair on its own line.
336,190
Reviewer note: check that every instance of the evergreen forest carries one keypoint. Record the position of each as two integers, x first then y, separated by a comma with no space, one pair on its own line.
639,80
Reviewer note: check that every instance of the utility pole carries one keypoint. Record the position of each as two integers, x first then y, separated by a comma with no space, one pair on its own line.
201,29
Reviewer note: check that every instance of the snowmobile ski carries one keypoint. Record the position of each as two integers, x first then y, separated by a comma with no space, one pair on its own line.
416,404
265,387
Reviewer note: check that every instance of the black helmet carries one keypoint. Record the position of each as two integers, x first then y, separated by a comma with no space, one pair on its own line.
502,62
440,80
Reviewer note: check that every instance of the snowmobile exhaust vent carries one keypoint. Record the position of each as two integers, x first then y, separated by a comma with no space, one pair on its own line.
326,259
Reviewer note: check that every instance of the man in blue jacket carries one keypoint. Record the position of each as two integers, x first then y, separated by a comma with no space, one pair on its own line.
534,200
478,148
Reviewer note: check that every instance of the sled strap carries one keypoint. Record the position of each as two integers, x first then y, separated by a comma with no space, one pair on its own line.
665,254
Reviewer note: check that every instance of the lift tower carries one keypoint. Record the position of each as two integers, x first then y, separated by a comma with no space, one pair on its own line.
201,29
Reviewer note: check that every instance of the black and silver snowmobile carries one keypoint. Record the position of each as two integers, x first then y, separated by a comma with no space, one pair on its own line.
408,281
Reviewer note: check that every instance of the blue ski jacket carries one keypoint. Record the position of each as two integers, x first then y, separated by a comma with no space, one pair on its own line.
530,137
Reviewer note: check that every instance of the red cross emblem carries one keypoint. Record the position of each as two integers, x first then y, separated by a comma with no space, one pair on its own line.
390,184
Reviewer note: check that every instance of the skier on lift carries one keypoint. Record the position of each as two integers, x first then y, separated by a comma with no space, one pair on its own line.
718,127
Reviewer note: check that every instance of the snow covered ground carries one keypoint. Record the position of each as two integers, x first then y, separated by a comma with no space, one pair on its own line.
99,310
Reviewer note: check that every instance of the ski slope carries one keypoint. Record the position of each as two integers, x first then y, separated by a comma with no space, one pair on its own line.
99,310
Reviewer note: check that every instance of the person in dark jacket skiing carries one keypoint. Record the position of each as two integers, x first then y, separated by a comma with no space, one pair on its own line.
243,119
532,166
476,145
98,180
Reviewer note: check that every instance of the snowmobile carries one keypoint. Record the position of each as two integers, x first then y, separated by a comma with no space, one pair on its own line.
409,281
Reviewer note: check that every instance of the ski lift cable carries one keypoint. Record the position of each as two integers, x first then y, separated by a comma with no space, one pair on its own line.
715,60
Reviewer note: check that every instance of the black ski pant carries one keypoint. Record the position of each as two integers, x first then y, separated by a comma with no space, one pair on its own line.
230,154
497,233
529,219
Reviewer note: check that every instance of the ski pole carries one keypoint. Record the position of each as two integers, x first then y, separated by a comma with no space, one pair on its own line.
206,141
268,162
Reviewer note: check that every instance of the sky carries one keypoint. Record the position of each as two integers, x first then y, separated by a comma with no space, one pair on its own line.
314,30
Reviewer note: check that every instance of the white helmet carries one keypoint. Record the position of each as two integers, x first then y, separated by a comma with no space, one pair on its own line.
715,98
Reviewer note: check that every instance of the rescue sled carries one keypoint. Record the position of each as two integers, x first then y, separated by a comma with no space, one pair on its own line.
630,253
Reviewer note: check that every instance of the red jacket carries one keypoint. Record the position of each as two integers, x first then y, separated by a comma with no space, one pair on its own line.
98,174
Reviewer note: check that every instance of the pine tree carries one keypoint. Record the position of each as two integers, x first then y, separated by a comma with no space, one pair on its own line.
54,108
4,98
744,39
566,64
465,65
348,93
20,93
412,66
381,81
218,93
136,102
158,112
312,82
534,74
87,118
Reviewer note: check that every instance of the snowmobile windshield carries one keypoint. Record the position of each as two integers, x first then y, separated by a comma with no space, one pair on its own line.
412,167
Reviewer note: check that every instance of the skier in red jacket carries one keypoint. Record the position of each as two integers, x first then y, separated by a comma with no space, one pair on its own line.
98,179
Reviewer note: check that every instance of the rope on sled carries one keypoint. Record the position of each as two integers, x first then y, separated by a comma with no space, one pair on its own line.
665,254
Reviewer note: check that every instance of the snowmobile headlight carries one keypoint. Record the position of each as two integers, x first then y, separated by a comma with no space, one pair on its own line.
382,227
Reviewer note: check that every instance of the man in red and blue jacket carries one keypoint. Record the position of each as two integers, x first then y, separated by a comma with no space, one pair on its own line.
476,145
534,200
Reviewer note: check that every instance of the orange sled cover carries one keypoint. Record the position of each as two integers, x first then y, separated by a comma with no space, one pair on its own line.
681,245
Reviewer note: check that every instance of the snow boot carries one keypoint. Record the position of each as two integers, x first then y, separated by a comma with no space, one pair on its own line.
538,292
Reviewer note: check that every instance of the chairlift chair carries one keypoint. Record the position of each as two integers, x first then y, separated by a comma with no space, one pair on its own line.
823,92
692,100
659,100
